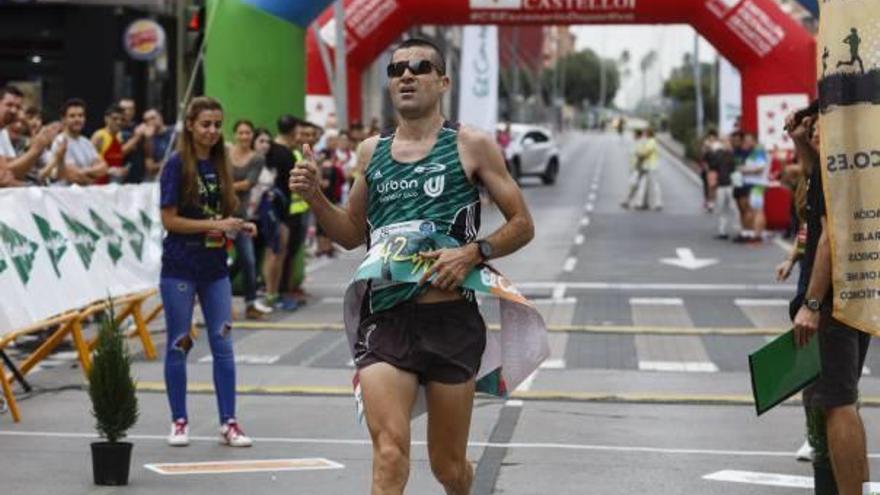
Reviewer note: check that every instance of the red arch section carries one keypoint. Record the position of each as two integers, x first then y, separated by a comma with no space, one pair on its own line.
774,54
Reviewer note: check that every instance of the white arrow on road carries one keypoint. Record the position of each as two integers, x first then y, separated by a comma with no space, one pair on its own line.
686,259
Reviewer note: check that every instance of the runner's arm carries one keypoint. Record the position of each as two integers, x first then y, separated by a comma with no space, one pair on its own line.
806,322
345,226
820,278
481,149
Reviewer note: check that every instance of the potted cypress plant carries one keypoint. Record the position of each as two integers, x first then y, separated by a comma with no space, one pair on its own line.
114,404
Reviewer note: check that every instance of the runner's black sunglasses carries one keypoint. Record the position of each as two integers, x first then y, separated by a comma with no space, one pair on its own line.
417,67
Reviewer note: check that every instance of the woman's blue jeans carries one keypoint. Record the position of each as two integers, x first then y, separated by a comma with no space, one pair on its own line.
178,297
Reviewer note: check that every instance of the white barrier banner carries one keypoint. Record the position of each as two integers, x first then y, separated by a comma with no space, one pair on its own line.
729,99
63,248
478,98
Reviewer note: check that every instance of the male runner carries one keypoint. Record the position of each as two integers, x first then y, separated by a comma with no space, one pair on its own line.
854,42
422,175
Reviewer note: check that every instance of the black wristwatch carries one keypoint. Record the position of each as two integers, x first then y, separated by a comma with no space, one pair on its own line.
813,305
485,249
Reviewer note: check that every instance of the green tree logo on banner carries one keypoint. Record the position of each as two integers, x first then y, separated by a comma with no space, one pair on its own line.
3,265
56,244
114,240
146,221
21,249
85,240
135,236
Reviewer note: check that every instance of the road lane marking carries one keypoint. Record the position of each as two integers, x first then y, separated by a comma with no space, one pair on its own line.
562,328
656,301
229,467
779,288
761,302
679,366
246,359
553,364
764,479
526,384
579,239
684,258
570,263
585,222
360,442
589,207
559,292
653,397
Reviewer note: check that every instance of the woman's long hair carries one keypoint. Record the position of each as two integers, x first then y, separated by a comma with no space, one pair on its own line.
189,190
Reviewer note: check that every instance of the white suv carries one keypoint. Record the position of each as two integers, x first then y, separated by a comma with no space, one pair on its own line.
532,152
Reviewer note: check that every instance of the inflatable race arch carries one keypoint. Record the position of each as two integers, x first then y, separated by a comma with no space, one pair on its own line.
775,55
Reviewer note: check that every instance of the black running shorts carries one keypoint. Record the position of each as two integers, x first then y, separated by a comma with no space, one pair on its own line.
742,191
439,342
842,351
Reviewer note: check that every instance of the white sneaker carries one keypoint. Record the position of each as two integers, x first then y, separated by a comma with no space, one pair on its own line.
262,308
805,453
231,435
179,436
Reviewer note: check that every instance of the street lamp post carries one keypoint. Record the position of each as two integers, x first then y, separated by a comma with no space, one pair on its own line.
698,86
341,72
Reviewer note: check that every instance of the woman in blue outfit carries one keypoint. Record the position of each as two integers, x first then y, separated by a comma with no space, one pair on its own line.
197,201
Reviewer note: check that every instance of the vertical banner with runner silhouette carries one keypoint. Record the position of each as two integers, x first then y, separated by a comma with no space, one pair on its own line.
478,98
63,248
849,92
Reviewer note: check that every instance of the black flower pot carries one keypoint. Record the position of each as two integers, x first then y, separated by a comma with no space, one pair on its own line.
111,462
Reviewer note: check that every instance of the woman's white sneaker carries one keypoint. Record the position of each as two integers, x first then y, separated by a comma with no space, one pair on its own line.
179,436
231,435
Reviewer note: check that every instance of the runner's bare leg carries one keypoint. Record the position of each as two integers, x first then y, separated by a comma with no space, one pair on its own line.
389,395
449,422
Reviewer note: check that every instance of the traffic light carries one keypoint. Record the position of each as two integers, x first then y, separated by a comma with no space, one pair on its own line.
195,19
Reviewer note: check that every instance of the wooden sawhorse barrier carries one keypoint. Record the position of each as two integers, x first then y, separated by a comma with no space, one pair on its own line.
70,323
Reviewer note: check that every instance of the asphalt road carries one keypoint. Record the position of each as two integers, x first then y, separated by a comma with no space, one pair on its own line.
646,389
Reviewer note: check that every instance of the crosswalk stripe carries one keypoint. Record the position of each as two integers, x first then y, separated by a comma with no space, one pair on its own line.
761,302
553,364
246,359
656,301
686,366
675,353
765,312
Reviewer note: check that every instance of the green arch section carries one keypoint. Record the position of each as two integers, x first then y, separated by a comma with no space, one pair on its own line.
254,64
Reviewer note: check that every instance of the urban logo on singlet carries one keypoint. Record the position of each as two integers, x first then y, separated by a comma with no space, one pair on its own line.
433,191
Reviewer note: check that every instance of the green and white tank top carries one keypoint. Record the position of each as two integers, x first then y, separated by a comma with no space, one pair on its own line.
431,195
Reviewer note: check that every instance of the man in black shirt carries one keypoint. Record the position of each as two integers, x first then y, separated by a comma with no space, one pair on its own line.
721,163
842,348
280,159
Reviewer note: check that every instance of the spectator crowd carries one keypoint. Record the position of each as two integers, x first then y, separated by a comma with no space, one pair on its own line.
130,149
743,183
